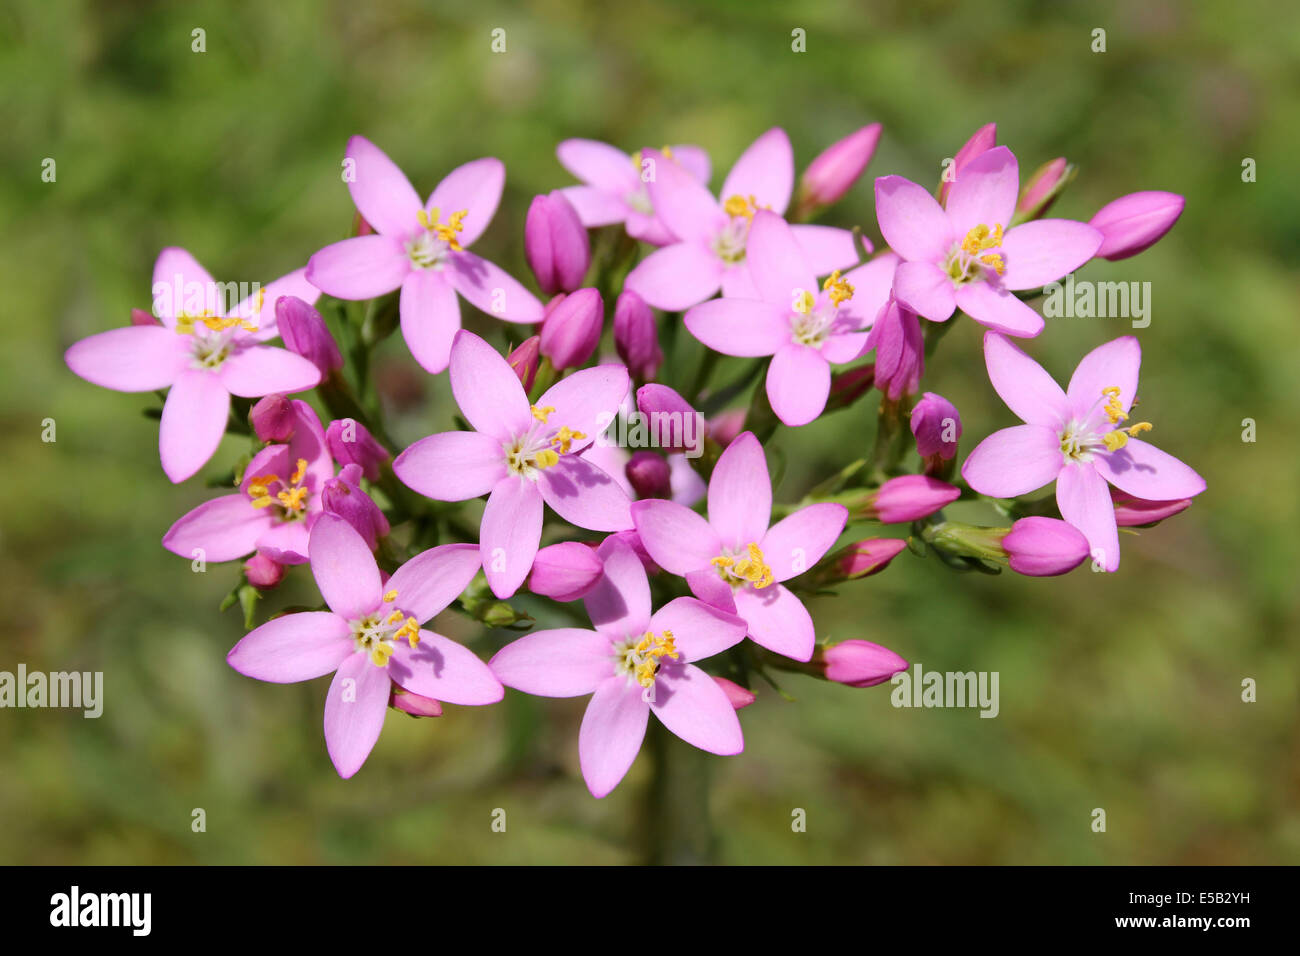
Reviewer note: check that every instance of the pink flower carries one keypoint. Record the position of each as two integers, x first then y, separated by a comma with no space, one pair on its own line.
959,257
520,455
370,638
734,560
421,249
804,326
1135,222
1044,547
203,350
277,503
614,189
556,244
1081,438
344,497
633,664
712,234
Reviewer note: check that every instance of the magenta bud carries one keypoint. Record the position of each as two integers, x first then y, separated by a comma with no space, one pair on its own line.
556,243
1133,512
1044,547
900,350
565,571
725,427
273,418
141,317
342,496
909,498
351,443
1042,188
861,663
414,704
571,331
865,558
525,359
850,384
1133,222
262,572
672,423
739,697
304,333
936,426
837,167
635,336
649,475
984,139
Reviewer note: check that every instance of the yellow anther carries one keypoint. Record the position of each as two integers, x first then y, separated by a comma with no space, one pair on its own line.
996,261
263,501
380,653
839,289
258,487
293,499
981,238
723,562
1115,440
649,651
546,458
566,437
752,569
667,151
804,302
299,472
431,221
410,631
395,618
740,206
390,596
543,413
1139,427
1114,410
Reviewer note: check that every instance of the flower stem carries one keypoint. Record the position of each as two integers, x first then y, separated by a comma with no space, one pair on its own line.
678,831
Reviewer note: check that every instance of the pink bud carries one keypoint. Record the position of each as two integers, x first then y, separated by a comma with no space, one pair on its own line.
672,422
525,359
635,336
556,243
273,418
837,168
1134,222
414,704
1037,193
1133,512
724,427
900,350
141,317
571,332
649,475
351,443
984,139
739,697
909,498
936,425
342,496
565,571
262,572
304,332
861,663
864,558
1044,547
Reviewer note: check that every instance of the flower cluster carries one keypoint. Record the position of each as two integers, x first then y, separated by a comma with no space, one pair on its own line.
692,579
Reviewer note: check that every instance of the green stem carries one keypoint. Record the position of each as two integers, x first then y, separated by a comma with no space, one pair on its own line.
679,831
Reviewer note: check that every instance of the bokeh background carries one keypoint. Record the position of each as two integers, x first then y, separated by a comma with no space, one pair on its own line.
1121,692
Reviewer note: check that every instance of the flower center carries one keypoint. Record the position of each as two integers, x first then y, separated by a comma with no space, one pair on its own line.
290,501
749,569
541,446
429,246
377,634
639,659
1081,440
729,244
971,258
812,323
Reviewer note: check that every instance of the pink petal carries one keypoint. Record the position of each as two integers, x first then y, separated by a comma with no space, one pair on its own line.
913,224
430,317
1014,461
845,346
474,187
587,400
1023,384
925,289
611,734
509,534
285,543
173,270
765,171
262,369
382,193
740,495
222,529
1043,251
193,421
452,466
1114,364
795,543
825,248
354,712
585,496
676,277
344,569
985,192
491,289
798,383
294,284
566,662
699,630
440,668
776,261
998,309
678,539
487,389
595,206
693,159
598,164
745,327
294,647
708,586
689,703
683,204
872,284
430,581
1084,500
1145,471
137,358
777,620
360,268
738,282
619,604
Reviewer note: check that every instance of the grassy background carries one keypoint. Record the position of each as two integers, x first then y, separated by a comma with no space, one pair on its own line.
1120,692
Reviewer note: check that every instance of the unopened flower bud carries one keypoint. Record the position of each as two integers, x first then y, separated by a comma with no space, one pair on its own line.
837,168
262,572
342,496
860,663
860,559
724,427
416,705
304,332
635,336
649,475
525,359
984,139
273,418
1134,222
900,350
1044,547
1042,188
738,696
909,498
565,571
351,443
1133,512
141,317
571,331
936,426
556,244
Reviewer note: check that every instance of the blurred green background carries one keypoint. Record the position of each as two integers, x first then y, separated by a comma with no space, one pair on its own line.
1121,692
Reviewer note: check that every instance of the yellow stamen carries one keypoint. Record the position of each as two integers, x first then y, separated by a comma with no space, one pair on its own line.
651,649
299,472
380,654
546,458
541,414
736,206
446,231
390,596
839,289
996,261
982,238
753,568
804,301
293,499
566,437
395,617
